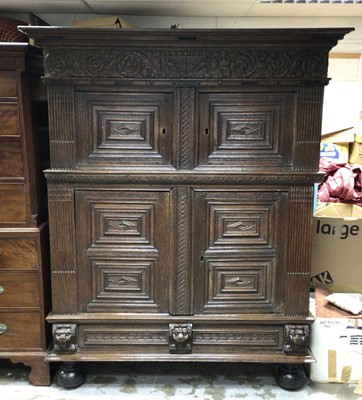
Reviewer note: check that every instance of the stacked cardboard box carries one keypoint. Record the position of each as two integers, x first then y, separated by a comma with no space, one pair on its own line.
335,144
355,150
103,22
336,343
337,246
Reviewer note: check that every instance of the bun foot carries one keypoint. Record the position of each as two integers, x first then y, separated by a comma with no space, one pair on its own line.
291,376
70,375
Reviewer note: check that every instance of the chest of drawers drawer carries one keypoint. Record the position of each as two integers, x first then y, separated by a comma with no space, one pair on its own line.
12,203
9,118
20,330
18,254
19,289
8,83
11,158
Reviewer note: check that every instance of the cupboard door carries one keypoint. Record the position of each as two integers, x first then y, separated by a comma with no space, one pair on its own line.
238,258
124,250
246,129
124,128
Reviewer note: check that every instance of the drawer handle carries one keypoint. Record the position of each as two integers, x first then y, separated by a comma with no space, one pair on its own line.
3,328
2,289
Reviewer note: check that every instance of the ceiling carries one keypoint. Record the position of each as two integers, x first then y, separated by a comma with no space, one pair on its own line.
214,8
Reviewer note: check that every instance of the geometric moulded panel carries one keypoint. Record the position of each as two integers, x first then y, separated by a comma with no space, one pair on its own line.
123,285
243,129
123,224
236,285
238,224
126,128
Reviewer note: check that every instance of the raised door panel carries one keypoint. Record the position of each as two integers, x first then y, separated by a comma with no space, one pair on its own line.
254,129
124,250
124,128
239,254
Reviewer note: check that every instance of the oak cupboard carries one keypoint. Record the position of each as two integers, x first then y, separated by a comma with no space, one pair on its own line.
180,192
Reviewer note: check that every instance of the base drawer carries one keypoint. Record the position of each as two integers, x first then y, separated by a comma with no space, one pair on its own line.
199,339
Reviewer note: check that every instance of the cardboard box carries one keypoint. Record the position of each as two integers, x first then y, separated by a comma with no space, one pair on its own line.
355,150
335,144
337,152
337,246
345,135
336,343
103,22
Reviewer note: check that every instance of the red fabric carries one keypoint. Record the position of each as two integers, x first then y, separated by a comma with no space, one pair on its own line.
342,182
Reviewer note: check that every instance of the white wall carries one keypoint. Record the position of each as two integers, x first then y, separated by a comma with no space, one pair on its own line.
343,96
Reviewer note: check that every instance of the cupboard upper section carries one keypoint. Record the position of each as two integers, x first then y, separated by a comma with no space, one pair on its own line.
249,54
201,100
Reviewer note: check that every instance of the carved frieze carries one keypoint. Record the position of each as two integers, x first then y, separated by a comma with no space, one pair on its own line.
272,63
239,338
144,178
123,338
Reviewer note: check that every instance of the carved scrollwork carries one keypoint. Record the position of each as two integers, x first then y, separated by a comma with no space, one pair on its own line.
296,339
186,64
188,179
180,338
64,337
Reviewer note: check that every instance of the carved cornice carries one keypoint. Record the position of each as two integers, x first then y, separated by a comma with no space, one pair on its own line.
268,63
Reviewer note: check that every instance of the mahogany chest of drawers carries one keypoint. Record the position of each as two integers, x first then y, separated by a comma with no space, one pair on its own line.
180,191
24,259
